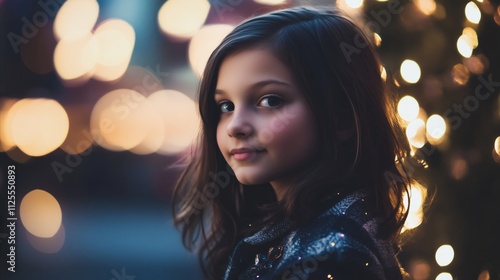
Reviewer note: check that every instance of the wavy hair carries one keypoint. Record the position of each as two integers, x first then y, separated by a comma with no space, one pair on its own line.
337,69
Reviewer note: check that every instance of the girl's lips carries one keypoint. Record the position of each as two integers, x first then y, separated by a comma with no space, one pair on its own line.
244,154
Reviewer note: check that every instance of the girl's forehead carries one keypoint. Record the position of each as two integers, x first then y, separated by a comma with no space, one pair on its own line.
251,66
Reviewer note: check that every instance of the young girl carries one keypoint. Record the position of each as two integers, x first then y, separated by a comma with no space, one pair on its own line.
295,175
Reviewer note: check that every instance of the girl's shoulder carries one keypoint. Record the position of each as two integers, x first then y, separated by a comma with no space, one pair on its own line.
341,243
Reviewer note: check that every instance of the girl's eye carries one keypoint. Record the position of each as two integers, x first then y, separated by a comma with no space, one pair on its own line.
270,101
226,106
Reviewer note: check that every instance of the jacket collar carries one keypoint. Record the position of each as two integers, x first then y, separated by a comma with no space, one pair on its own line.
274,230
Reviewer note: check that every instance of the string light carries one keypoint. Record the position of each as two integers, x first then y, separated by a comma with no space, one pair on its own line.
410,71
472,12
444,255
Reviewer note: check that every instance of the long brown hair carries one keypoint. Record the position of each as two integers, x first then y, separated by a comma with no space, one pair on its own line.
335,66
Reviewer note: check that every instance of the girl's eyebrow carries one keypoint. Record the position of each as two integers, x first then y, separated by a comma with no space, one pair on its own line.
257,85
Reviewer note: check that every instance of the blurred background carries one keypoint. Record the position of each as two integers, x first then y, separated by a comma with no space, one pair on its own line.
98,100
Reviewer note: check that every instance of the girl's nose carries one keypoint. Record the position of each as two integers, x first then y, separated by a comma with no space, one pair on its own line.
240,124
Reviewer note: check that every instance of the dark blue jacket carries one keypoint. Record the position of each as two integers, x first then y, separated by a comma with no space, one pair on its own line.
340,244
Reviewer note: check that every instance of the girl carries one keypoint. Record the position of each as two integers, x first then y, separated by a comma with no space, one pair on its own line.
295,175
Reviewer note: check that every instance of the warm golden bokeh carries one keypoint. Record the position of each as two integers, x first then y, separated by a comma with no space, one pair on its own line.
76,58
39,126
116,40
182,19
40,213
75,19
180,119
472,12
415,132
204,43
410,71
436,129
418,193
408,108
427,7
465,46
6,138
120,118
444,255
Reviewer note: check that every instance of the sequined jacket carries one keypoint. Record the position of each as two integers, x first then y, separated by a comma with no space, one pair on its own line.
340,244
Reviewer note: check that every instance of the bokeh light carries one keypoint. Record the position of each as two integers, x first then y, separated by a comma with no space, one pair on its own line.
75,58
354,4
444,255
39,126
460,74
472,35
377,39
408,108
484,275
6,139
472,12
49,245
459,167
419,269
415,132
383,73
477,64
180,119
497,145
40,213
182,19
464,46
204,43
436,129
116,40
119,118
444,276
410,71
415,204
427,7
75,19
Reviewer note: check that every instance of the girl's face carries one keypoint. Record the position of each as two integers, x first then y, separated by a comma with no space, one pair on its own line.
266,132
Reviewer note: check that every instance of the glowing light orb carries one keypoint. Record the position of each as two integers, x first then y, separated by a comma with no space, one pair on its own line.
116,40
75,19
120,117
182,19
408,108
444,255
40,213
436,129
464,46
180,119
204,43
410,71
39,126
76,58
444,276
415,132
472,12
